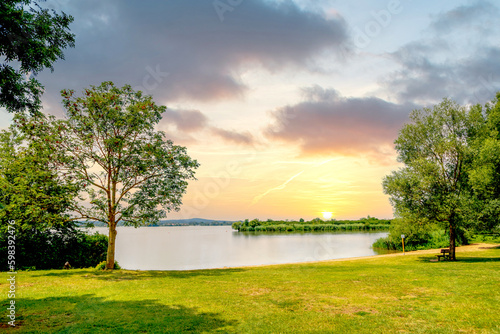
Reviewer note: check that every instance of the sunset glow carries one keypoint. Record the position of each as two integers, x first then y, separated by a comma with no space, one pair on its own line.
290,107
327,215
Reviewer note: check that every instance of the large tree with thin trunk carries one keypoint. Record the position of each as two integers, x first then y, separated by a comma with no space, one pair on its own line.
438,152
31,39
129,172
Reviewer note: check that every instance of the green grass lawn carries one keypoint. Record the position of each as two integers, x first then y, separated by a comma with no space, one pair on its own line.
385,294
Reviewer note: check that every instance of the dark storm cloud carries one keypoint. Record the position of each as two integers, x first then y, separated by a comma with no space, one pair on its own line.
459,58
181,49
328,123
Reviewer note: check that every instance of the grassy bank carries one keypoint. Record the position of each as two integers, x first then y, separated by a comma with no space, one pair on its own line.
384,294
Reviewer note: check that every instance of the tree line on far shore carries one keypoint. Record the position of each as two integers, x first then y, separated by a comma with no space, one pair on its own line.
315,225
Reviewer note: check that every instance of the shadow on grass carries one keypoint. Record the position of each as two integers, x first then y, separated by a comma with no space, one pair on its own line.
459,259
478,259
89,314
120,275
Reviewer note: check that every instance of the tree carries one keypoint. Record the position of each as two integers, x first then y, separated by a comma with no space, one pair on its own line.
129,172
485,176
33,193
437,150
32,38
34,201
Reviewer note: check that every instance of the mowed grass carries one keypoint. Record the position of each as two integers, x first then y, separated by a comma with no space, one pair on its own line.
384,294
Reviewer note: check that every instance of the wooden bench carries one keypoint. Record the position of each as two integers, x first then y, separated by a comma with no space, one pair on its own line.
445,254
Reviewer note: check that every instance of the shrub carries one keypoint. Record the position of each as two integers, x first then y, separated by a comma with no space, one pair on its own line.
417,237
102,265
51,248
260,228
281,227
271,228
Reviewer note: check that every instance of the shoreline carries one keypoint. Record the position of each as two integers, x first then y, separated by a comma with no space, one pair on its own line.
461,249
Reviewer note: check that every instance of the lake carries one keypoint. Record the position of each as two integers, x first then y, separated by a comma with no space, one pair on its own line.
206,247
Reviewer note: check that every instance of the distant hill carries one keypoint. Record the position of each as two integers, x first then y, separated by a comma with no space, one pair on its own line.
193,221
179,222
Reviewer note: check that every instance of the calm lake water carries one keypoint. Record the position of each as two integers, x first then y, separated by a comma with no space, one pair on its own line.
204,247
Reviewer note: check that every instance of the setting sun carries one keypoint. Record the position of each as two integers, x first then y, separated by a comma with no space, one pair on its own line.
327,215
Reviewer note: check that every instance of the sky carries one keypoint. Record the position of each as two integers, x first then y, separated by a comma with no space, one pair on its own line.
291,107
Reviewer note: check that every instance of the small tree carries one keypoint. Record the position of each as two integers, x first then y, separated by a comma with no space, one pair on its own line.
128,171
33,39
434,185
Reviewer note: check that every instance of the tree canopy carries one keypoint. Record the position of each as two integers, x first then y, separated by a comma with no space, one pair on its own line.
31,39
33,193
437,148
485,174
128,172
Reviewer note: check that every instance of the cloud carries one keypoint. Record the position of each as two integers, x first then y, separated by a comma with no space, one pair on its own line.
458,58
182,50
327,123
186,120
236,137
466,79
469,16
191,124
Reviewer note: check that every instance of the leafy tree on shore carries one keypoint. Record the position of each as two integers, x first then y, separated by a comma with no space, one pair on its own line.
33,192
438,152
35,197
485,175
31,39
128,172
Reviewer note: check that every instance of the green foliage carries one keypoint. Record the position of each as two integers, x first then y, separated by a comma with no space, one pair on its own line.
35,196
315,225
493,237
51,248
109,134
437,150
485,174
34,39
417,236
129,172
452,172
33,192
102,265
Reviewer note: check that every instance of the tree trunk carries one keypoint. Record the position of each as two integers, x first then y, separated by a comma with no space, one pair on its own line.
110,258
452,242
